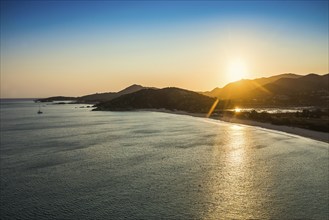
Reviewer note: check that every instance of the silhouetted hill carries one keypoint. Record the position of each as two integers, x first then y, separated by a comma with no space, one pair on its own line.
97,97
276,91
239,88
167,98
266,80
56,98
311,89
102,97
306,84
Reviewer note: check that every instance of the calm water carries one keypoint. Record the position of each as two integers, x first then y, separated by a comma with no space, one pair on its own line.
71,163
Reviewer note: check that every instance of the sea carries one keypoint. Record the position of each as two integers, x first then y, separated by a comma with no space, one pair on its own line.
74,163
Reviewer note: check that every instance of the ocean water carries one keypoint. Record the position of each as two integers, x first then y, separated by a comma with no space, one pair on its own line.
72,163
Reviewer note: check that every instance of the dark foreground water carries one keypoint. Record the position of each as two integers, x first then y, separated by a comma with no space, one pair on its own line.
71,163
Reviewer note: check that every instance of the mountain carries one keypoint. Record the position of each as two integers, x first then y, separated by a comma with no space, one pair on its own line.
306,86
266,80
97,97
56,98
239,88
309,90
276,91
102,97
167,98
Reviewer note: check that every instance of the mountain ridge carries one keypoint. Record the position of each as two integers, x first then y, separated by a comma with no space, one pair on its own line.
170,98
101,97
96,97
226,91
279,90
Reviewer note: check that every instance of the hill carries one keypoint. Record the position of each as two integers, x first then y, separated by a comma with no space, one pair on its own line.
303,85
276,91
308,90
167,98
102,97
95,98
56,98
239,88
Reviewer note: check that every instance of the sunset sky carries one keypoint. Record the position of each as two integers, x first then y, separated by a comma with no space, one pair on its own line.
76,48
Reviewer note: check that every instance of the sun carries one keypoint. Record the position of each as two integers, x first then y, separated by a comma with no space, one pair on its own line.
237,70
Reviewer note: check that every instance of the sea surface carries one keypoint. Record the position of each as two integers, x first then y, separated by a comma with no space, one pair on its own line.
74,163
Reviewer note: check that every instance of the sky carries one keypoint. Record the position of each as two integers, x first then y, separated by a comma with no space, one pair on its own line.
74,48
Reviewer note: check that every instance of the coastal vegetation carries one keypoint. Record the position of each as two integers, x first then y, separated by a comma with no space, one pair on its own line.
313,119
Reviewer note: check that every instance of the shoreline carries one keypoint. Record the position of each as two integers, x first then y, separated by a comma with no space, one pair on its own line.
315,135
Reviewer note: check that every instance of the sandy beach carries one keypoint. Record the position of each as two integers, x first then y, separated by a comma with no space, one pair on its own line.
315,135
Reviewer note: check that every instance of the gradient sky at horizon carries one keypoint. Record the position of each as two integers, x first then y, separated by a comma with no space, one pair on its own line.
75,48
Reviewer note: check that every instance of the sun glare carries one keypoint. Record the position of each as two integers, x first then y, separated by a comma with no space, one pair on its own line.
237,70
237,110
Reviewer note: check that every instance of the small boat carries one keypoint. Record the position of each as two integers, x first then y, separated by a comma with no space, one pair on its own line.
40,112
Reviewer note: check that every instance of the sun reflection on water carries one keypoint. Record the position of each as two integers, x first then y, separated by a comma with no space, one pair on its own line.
232,191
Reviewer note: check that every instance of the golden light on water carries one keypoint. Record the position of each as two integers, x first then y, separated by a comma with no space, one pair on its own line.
235,196
232,189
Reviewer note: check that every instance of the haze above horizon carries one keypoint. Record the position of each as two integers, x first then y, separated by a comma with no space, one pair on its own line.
81,47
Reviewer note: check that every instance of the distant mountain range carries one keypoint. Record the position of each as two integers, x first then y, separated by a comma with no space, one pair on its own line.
276,91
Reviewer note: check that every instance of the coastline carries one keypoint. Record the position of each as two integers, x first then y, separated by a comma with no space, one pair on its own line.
315,135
